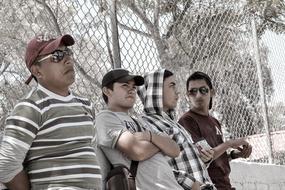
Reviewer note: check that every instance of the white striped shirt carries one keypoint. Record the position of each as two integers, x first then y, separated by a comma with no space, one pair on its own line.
51,136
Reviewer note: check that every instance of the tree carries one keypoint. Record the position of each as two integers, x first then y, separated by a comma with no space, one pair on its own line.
215,37
270,14
21,20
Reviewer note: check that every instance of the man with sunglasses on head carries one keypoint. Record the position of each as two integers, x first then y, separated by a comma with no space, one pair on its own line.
206,130
48,137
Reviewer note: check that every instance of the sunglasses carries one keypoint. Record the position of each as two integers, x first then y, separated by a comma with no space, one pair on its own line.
57,55
194,91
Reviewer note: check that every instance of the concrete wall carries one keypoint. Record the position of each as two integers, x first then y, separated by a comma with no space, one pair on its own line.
2,186
256,176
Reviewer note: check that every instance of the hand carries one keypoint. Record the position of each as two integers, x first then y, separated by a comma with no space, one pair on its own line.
243,152
206,155
196,186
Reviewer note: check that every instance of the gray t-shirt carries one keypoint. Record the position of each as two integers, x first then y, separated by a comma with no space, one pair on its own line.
153,173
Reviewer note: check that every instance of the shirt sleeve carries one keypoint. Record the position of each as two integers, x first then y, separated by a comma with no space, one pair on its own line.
21,128
109,128
184,179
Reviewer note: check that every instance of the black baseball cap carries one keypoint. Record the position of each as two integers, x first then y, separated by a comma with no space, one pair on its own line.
121,75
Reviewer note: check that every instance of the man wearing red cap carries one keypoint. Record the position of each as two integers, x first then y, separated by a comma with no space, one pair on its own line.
48,137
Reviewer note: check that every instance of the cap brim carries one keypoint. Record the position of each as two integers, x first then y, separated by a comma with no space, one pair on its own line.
66,40
139,80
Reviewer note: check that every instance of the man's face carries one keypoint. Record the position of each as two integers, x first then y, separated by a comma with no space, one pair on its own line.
55,71
170,94
199,94
123,96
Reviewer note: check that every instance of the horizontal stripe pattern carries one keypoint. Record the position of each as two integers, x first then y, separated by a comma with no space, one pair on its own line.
64,172
68,120
61,125
57,132
64,177
52,155
64,167
66,139
16,142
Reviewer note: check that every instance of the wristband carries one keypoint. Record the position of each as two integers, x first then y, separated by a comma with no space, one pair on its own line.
150,137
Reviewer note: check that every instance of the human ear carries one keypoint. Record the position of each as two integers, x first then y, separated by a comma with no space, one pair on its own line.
212,92
35,71
106,91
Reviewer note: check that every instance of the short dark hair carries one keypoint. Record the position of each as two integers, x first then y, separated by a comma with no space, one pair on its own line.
109,86
198,75
167,74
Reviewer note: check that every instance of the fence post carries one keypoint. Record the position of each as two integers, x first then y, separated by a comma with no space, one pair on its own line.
261,90
115,34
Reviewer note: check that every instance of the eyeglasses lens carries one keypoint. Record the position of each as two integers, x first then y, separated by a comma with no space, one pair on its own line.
58,55
202,90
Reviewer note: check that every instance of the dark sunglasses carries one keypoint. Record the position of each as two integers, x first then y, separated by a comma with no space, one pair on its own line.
202,90
57,55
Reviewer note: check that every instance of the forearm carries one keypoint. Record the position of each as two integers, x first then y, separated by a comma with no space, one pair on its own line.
166,145
19,182
233,143
143,150
137,146
220,149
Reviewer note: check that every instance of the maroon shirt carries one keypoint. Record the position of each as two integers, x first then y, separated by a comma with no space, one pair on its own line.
208,128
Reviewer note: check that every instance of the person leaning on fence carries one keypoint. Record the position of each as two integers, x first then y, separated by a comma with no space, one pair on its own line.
119,139
159,96
48,136
202,126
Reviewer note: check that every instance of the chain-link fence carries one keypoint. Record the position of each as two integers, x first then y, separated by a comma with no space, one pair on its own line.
240,44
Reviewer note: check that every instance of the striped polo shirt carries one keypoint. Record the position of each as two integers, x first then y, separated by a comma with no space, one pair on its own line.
52,136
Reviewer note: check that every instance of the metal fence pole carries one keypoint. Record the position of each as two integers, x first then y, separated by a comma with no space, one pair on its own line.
115,35
261,91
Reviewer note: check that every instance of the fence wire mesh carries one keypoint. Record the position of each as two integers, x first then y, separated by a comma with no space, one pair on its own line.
214,36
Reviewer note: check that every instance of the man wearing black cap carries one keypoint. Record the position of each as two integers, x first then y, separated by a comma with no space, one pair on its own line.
48,137
119,140
206,130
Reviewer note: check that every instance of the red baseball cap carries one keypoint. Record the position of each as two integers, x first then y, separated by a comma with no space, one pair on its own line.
44,45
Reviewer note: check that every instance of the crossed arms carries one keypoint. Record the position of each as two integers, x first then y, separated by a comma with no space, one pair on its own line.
143,145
